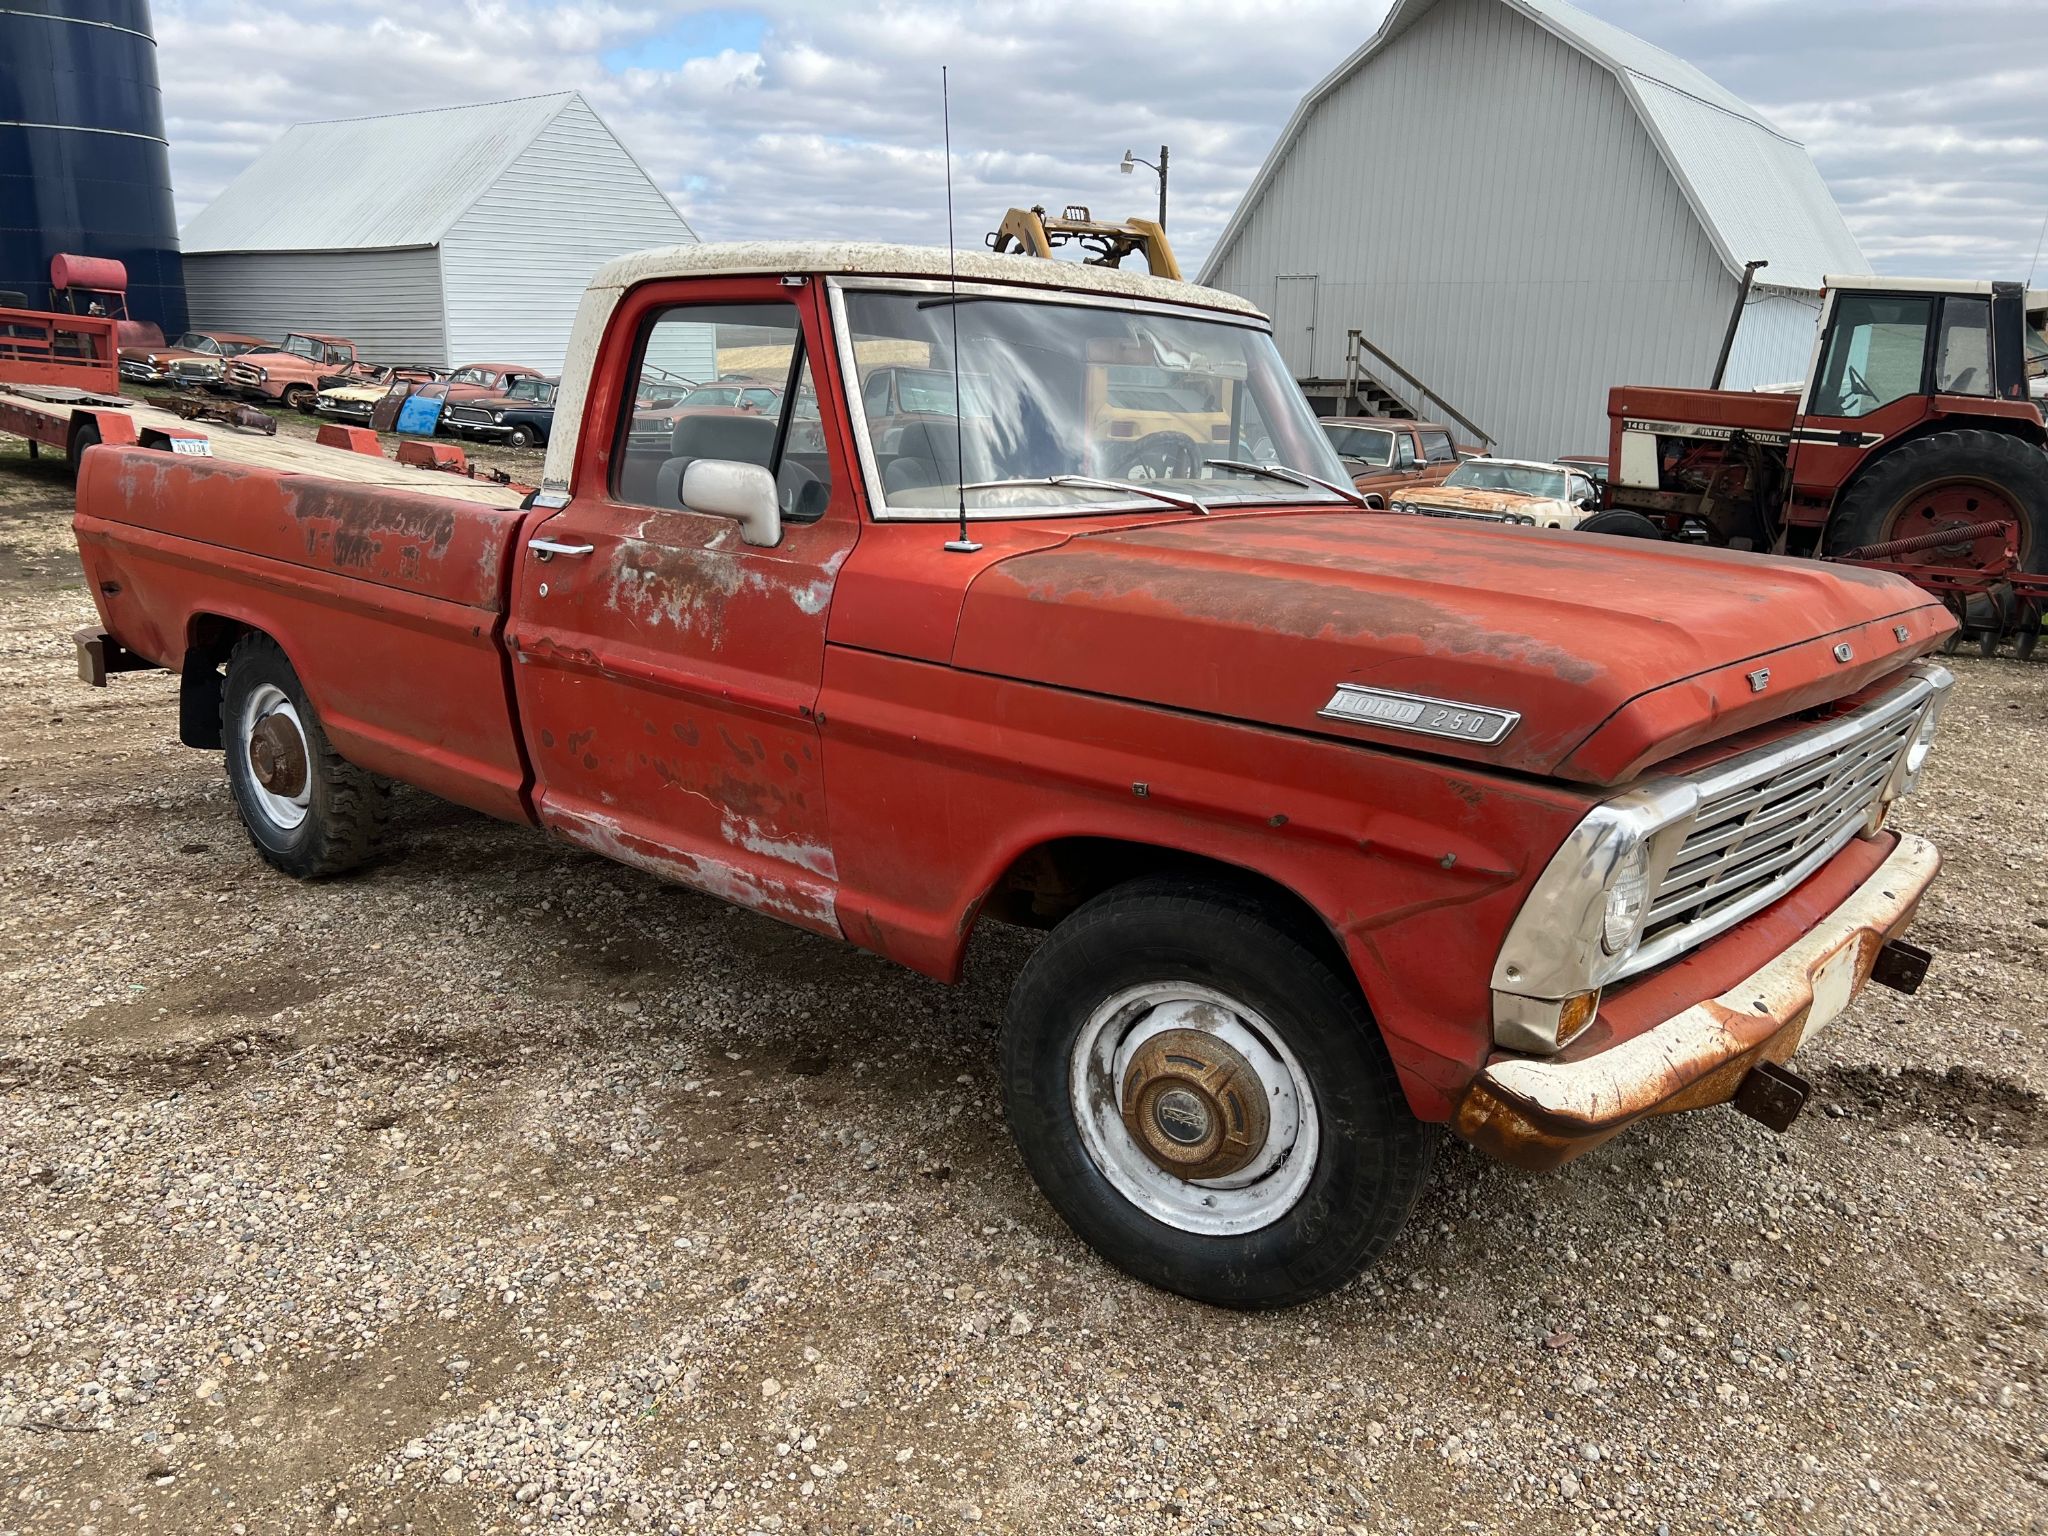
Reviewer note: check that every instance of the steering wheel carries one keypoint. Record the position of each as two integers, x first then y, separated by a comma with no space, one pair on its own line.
1862,387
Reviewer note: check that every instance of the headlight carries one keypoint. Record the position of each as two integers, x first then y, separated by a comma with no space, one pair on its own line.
1905,777
263,375
1628,893
1583,919
497,418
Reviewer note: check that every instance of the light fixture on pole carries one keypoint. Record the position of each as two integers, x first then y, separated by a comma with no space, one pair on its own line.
1131,160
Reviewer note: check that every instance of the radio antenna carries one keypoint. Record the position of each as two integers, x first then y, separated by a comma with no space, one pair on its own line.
962,545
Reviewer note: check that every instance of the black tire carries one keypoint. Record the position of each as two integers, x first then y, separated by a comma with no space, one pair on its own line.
83,436
524,436
1373,1155
1620,523
299,397
2007,464
344,811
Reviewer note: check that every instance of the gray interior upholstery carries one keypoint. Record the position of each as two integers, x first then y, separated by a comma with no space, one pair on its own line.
747,439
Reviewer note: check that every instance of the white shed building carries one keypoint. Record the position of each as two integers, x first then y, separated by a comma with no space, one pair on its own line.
446,237
1520,205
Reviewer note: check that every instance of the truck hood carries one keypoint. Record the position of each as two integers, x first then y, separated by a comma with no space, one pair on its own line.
1613,653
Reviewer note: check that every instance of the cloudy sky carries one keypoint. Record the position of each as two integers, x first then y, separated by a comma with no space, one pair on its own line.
1929,118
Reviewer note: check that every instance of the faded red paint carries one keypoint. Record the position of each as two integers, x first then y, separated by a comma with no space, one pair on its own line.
354,439
43,348
859,732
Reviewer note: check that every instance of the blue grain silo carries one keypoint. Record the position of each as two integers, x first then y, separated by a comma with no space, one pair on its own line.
84,166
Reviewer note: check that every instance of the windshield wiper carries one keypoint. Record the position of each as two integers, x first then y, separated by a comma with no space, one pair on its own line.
1090,483
1293,476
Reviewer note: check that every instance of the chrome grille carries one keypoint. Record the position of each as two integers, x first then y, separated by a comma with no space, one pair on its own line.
1767,819
474,415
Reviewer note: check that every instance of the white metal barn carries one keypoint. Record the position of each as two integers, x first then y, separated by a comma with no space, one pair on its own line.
1520,205
447,237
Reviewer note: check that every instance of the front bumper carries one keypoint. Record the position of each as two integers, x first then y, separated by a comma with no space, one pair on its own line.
142,373
1536,1112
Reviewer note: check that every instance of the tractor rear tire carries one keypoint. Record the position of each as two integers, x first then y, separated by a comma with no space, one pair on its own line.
1619,522
1885,496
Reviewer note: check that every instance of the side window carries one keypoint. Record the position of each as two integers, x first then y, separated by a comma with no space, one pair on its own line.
1962,357
1404,451
1437,449
757,424
1874,355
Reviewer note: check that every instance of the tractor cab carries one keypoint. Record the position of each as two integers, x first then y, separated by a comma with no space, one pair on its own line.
1916,443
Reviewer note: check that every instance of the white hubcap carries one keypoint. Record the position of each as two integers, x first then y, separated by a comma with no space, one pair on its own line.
1171,1074
273,740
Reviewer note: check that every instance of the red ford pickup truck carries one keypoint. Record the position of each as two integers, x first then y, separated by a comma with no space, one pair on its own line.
1341,826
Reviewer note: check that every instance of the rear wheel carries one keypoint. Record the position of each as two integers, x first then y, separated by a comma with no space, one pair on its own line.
1205,1099
1963,480
83,436
308,811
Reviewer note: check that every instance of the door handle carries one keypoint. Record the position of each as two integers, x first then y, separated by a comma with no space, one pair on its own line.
547,549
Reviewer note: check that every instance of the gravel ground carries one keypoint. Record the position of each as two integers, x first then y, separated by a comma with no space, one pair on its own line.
501,1188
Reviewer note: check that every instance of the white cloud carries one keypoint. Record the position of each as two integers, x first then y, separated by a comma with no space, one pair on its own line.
805,118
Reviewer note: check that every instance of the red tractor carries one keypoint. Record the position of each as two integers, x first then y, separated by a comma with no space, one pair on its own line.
1914,445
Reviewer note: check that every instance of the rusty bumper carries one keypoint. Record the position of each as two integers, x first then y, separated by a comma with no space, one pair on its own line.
1536,1113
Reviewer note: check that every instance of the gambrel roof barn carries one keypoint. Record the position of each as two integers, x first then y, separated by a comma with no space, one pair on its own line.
1518,205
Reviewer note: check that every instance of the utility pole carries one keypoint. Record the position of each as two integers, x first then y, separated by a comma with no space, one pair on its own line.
1130,160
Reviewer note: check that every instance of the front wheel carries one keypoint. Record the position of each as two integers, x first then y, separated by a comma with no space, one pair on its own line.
524,437
1204,1098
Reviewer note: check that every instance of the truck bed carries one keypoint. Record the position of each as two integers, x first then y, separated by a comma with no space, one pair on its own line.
45,416
389,594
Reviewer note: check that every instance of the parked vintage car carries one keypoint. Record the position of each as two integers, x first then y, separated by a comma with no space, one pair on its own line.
197,357
354,398
654,425
1387,455
291,374
484,381
1592,465
1489,490
521,416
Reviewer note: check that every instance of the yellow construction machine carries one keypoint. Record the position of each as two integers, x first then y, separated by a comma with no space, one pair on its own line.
1034,232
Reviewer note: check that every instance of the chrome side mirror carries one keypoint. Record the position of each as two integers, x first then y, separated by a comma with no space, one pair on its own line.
743,492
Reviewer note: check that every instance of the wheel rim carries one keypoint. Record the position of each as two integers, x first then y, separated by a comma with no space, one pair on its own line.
1193,1108
274,741
1958,504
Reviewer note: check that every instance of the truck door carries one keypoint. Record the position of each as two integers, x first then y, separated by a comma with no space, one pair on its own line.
667,672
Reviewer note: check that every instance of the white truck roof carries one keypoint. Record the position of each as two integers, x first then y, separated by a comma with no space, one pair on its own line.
828,258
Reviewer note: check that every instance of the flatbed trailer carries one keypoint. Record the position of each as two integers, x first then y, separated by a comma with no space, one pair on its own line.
60,390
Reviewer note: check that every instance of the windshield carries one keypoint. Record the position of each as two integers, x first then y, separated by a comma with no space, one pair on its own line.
1055,389
301,346
192,341
530,388
1491,475
1368,445
2036,330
